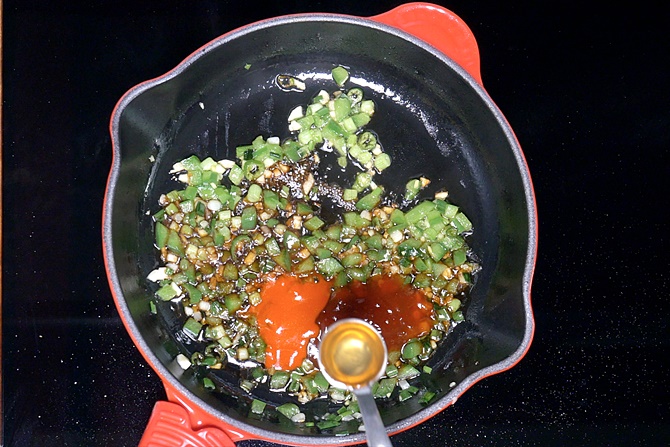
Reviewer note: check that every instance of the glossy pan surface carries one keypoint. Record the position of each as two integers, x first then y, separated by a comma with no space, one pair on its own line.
433,118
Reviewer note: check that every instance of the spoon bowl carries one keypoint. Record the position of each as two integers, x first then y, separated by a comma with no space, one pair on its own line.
353,355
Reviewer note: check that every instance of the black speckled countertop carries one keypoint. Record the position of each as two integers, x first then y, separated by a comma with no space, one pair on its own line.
586,91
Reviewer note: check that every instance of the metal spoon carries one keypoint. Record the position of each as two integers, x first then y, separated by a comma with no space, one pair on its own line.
352,355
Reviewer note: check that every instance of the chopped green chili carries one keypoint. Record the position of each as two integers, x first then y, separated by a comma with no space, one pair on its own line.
340,75
257,406
288,409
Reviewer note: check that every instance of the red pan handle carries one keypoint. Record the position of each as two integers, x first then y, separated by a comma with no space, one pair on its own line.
440,28
180,423
170,426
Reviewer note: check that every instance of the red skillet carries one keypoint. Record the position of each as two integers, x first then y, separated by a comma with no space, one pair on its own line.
420,63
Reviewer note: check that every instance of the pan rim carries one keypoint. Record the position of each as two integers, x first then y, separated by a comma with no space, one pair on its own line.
254,431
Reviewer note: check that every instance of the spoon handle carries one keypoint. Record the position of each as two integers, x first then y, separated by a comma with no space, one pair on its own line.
374,427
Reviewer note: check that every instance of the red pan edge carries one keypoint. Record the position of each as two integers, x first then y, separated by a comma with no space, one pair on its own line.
182,422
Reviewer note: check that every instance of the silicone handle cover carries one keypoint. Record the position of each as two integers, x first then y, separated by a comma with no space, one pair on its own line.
180,423
170,426
441,29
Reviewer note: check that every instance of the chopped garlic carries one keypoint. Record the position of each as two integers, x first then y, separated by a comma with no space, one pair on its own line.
396,236
324,97
299,84
217,168
177,167
295,114
308,185
227,164
183,362
242,353
214,205
157,275
176,288
298,417
204,305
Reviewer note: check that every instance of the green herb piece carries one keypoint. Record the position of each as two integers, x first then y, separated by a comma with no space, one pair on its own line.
192,327
194,295
462,223
341,107
257,406
427,397
352,259
288,409
459,256
384,387
340,75
370,200
454,305
254,193
412,349
249,218
382,161
168,292
235,175
313,223
355,220
412,189
233,302
305,266
368,107
349,194
407,372
283,259
279,380
403,395
325,425
174,243
321,383
329,267
162,234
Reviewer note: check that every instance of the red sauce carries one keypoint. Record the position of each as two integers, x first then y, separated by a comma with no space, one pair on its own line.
399,311
286,318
